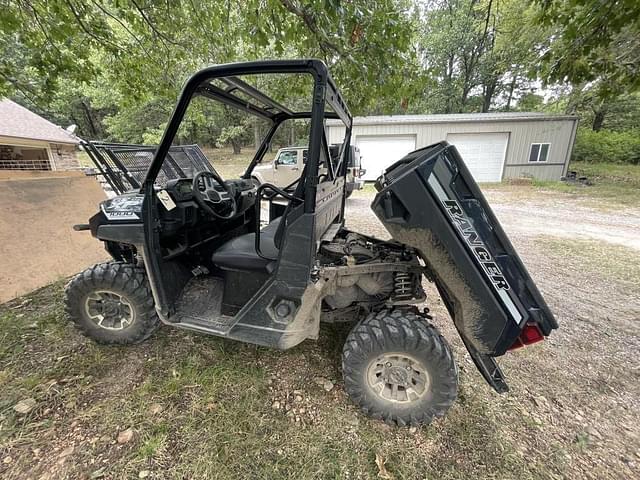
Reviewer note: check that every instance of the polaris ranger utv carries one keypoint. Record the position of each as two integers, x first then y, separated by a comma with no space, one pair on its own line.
192,253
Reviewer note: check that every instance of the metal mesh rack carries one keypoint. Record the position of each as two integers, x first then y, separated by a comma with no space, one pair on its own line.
124,166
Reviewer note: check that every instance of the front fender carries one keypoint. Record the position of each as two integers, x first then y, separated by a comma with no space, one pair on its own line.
258,176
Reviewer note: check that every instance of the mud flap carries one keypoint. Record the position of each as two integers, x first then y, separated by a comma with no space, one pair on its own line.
429,200
488,368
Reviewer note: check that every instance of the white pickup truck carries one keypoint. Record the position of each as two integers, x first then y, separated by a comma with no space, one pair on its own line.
288,163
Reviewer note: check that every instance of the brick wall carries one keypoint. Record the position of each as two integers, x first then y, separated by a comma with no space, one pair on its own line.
65,157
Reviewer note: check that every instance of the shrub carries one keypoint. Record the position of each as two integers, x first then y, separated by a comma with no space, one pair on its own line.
607,146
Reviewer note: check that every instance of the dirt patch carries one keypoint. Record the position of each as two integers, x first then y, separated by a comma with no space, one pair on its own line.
38,244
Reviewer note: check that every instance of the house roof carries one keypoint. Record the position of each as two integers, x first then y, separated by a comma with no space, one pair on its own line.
456,117
19,122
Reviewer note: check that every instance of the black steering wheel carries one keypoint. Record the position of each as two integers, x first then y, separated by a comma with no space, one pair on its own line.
211,200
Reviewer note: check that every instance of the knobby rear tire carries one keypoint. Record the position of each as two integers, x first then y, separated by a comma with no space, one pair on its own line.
404,332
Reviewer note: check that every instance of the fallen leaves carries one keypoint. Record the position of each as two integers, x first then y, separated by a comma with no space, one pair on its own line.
24,406
125,436
382,469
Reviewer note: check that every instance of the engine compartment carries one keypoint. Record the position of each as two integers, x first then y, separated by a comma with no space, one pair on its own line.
370,273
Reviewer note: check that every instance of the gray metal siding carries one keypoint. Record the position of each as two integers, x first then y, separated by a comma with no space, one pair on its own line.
522,133
540,172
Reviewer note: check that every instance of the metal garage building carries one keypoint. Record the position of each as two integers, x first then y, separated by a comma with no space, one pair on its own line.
494,146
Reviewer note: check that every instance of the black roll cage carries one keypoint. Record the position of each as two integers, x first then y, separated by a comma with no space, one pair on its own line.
324,91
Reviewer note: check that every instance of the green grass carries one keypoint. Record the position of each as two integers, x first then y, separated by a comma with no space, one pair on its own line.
612,185
215,417
85,161
624,174
228,164
612,182
368,190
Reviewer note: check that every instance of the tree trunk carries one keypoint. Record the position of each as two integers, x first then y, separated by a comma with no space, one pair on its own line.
89,115
468,70
598,119
449,90
463,98
256,134
236,146
512,87
487,94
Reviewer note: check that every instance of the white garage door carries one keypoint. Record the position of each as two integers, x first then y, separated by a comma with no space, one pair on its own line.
379,152
483,153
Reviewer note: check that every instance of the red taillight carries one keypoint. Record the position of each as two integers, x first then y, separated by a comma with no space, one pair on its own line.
530,334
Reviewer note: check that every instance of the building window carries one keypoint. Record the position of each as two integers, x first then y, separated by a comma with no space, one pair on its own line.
23,158
539,152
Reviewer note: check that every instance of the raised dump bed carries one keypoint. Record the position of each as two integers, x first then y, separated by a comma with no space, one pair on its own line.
429,200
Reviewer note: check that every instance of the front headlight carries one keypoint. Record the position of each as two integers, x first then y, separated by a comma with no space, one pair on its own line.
123,207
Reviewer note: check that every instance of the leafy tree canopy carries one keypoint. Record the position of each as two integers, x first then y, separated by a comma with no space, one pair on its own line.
594,41
115,67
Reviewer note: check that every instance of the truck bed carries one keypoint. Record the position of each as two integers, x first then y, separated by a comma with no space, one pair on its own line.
429,200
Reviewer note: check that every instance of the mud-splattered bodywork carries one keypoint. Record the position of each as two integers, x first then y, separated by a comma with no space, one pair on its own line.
429,201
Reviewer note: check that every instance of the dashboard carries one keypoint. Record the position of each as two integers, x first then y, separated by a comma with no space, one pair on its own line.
187,223
181,188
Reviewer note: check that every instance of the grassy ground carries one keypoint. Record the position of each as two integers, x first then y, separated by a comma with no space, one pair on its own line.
609,172
85,161
611,183
202,407
620,263
227,163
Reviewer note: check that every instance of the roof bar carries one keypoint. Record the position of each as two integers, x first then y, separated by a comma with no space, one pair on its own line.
218,94
334,99
255,93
